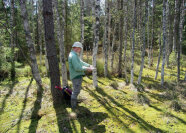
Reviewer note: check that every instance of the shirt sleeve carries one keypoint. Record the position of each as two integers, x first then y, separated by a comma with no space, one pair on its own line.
84,64
77,65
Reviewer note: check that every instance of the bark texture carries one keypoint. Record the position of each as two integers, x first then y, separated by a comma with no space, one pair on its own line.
51,50
60,36
96,41
30,43
133,43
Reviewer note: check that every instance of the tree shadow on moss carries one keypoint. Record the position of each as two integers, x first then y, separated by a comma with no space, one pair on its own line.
133,115
24,105
11,86
90,120
62,117
109,108
35,117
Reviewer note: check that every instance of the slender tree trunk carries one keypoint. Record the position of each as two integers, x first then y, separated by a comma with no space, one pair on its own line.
120,40
152,35
106,39
51,50
96,41
12,41
164,42
112,48
144,42
133,43
125,39
181,24
30,43
60,36
159,56
82,26
167,34
185,76
39,29
176,35
109,30
148,35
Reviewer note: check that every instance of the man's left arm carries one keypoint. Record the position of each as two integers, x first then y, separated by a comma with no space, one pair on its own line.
84,64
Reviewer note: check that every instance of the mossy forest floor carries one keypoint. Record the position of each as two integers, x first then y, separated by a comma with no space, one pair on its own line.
114,107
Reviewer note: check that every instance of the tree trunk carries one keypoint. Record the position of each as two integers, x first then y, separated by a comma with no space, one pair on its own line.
51,50
152,35
125,39
181,24
82,26
60,36
167,34
133,43
109,31
113,44
176,35
120,39
144,42
185,76
164,42
159,56
148,35
96,41
106,39
12,41
30,43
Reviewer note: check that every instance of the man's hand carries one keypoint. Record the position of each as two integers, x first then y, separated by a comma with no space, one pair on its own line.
89,69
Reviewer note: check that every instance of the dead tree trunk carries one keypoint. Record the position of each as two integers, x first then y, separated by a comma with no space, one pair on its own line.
30,43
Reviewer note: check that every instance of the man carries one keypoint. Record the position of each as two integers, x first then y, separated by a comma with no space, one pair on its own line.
76,69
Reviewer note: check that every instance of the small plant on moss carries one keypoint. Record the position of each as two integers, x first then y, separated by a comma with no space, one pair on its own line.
141,99
114,84
175,105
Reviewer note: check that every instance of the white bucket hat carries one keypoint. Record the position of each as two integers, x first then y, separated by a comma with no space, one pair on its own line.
77,44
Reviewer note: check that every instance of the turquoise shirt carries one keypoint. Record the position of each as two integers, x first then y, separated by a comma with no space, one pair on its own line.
76,65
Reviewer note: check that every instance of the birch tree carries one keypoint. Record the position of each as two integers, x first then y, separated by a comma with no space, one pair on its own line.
82,25
164,40
167,34
60,36
152,36
106,39
113,44
96,41
144,42
159,56
133,42
51,50
30,43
